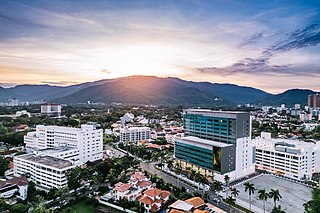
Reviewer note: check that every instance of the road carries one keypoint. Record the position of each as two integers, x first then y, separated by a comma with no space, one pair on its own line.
150,167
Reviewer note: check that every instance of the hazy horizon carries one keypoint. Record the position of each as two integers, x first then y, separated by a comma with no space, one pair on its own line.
269,45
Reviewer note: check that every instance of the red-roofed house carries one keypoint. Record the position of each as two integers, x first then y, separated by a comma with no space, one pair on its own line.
154,198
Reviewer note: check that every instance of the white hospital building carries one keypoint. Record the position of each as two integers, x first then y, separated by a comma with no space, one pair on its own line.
53,150
291,158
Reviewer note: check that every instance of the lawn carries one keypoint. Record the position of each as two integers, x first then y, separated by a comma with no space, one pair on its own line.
83,207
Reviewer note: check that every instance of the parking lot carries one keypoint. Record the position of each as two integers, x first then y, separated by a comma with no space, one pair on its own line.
294,195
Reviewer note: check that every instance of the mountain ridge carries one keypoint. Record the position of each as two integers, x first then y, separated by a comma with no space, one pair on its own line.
140,89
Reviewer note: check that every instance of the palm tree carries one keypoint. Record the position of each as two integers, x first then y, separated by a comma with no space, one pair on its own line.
231,201
178,171
217,186
188,168
275,194
234,192
277,209
226,181
250,188
263,195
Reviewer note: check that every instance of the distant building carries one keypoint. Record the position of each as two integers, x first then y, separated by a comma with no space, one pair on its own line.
127,118
51,109
291,158
220,143
314,100
14,102
23,112
10,187
305,117
134,134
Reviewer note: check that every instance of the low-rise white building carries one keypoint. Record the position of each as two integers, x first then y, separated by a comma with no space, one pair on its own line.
134,134
44,171
291,158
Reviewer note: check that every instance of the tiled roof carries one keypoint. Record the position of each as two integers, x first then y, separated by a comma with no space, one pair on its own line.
201,211
146,200
20,181
122,188
144,183
153,192
138,176
195,201
176,211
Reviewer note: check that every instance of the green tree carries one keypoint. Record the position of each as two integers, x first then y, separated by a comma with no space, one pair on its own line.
275,194
313,206
3,165
277,209
31,190
230,201
234,192
217,186
19,208
249,187
263,195
3,205
74,179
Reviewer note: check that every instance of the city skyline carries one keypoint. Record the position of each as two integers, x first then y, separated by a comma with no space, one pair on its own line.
271,45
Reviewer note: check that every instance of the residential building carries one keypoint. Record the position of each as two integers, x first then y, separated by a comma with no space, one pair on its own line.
305,117
134,134
131,190
127,118
153,199
87,139
217,143
45,171
51,109
16,185
291,158
23,112
314,100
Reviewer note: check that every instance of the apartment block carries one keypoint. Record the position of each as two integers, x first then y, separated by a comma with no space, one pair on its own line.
134,134
291,158
51,109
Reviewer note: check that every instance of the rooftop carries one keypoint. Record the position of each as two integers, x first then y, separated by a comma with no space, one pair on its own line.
193,139
49,151
46,160
196,202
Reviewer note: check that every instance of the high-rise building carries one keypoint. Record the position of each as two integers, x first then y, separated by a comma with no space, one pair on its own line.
314,100
51,109
217,143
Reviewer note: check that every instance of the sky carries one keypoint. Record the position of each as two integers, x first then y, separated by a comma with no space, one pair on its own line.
271,45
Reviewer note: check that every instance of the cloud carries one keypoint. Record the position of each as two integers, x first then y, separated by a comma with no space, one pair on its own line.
252,39
308,36
105,71
60,83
